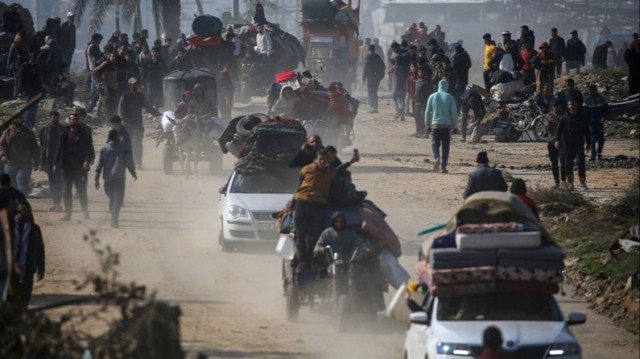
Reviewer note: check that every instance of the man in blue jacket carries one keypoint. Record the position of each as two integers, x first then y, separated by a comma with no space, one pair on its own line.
440,117
115,160
596,109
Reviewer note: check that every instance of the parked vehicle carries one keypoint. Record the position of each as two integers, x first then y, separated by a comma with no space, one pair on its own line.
532,326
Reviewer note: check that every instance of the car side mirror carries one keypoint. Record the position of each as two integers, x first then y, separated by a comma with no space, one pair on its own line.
222,190
576,318
419,318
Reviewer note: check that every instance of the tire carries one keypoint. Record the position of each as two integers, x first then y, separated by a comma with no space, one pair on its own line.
539,129
293,304
167,160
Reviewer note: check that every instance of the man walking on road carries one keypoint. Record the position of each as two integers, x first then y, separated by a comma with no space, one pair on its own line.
74,159
441,116
596,109
484,178
571,136
20,154
130,110
422,93
372,74
114,160
559,50
49,143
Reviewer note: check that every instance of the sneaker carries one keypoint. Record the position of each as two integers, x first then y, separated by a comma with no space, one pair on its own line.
436,165
444,170
65,218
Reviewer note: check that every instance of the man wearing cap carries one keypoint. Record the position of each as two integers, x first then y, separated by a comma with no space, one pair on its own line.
571,135
559,49
506,39
596,109
484,178
576,52
19,153
130,111
68,39
372,74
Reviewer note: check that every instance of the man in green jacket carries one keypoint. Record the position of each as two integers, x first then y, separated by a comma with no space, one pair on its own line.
341,240
440,117
20,154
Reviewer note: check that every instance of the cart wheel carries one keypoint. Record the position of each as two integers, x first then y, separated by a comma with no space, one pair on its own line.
293,304
167,160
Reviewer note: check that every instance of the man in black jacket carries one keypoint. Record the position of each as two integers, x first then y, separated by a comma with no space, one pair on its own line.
74,159
501,62
571,136
576,52
471,100
49,142
130,110
461,64
559,50
28,250
422,93
484,178
372,74
632,59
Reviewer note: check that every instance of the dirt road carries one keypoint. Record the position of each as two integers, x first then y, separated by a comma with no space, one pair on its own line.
232,303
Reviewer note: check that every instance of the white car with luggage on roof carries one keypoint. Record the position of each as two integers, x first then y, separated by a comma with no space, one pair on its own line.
493,264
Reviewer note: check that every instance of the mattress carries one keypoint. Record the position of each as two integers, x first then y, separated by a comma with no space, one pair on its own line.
527,263
461,275
549,276
498,240
546,253
445,258
527,287
454,290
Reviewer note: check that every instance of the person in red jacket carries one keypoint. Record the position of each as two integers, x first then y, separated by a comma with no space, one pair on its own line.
492,344
519,188
528,71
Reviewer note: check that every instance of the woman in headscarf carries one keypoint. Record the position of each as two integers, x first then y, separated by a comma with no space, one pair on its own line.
284,105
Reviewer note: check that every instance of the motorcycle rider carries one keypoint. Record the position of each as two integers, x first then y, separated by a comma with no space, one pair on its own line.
341,239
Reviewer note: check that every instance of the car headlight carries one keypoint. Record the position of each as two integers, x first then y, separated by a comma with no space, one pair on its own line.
462,350
237,212
559,350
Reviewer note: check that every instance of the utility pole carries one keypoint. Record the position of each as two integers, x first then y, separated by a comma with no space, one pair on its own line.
236,9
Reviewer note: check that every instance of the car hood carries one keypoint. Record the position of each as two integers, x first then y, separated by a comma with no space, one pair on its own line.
260,202
516,333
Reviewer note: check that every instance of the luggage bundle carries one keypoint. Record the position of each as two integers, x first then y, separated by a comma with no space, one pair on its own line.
494,243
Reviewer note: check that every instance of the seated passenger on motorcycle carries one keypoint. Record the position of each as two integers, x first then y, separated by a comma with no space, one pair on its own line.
182,108
338,166
200,105
284,105
342,240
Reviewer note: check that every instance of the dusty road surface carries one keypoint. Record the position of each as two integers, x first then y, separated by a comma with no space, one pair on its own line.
233,304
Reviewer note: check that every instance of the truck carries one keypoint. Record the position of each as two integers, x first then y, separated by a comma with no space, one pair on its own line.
330,38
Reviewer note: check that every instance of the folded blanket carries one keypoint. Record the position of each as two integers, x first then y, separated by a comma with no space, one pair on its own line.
453,290
549,276
461,275
526,263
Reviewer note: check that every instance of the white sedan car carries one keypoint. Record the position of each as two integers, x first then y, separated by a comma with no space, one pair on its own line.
247,202
532,326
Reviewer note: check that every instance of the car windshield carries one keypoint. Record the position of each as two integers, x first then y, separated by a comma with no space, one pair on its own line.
285,182
499,306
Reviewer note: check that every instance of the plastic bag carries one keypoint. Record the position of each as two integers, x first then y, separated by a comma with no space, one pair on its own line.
286,248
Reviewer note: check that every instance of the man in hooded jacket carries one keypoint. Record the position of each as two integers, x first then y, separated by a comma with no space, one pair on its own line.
440,117
341,239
